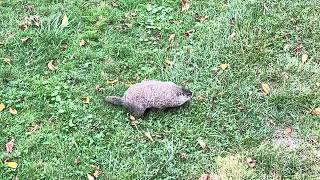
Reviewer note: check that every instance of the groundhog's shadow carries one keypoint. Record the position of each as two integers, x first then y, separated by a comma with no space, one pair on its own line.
166,110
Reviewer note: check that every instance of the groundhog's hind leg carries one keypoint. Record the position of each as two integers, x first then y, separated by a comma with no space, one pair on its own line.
137,111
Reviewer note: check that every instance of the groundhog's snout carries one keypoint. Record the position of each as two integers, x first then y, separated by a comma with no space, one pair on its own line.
187,92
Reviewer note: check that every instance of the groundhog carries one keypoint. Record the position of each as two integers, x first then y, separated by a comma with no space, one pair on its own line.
151,94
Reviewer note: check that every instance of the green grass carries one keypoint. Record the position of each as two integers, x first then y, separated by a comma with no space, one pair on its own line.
101,135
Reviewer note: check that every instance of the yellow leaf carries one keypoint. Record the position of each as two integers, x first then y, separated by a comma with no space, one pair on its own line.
148,135
112,81
316,111
169,62
65,21
82,42
51,66
265,88
12,164
202,144
12,111
2,107
233,35
185,5
304,58
225,66
90,177
85,99
172,37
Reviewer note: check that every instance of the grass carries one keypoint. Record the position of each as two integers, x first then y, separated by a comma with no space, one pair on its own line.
101,135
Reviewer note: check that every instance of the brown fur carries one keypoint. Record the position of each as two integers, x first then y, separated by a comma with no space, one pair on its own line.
151,94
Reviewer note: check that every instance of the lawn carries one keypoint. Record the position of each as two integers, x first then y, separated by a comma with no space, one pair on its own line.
253,66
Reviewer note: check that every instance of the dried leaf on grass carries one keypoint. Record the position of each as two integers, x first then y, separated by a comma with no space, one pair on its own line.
9,146
265,89
13,111
65,21
51,66
2,107
185,5
148,135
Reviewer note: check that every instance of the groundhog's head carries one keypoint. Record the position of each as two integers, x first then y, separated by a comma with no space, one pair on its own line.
183,95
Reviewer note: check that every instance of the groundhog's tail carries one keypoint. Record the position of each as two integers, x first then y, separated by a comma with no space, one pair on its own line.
114,100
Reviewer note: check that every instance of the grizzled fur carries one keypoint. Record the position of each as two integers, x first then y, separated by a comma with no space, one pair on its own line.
151,94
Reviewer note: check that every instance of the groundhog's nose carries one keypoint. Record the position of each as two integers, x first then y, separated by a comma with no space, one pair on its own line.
189,93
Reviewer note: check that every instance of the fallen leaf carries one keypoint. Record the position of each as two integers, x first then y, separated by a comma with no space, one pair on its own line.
29,21
9,146
158,35
29,8
51,66
12,165
265,88
12,111
2,107
148,135
90,177
172,37
167,61
77,161
114,3
34,127
1,44
287,131
298,49
129,25
25,40
224,66
202,144
315,111
65,21
251,162
85,99
7,61
133,121
202,18
208,176
97,173
189,33
82,42
99,88
185,5
183,155
304,58
112,81
233,35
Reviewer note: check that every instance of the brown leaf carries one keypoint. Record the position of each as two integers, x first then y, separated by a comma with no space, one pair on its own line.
13,111
51,66
304,58
133,121
25,40
1,44
2,107
232,22
9,146
315,111
233,35
202,18
85,99
183,155
208,176
112,81
298,49
29,21
65,21
148,135
172,37
99,88
189,33
287,131
114,3
202,144
97,173
185,5
90,177
158,35
251,162
82,42
29,8
171,63
7,60
77,161
265,89
224,66
34,127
